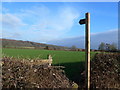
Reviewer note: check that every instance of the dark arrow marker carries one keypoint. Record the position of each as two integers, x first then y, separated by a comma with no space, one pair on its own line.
82,21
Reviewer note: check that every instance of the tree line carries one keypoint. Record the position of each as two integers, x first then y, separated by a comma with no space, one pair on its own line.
107,47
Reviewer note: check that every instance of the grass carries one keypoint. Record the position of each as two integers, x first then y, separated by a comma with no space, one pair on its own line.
74,61
58,56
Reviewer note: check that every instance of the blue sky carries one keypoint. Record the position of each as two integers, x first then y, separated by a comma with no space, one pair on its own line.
46,21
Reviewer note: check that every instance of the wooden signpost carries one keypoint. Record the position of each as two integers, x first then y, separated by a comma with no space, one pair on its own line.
86,21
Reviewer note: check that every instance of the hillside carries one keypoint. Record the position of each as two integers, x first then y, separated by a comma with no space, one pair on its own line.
9,43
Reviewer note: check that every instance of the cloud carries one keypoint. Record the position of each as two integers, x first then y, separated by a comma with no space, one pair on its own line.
11,35
11,21
49,26
110,36
106,32
61,23
39,11
43,24
11,25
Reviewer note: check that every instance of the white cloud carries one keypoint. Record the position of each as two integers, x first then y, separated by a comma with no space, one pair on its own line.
42,23
52,27
34,12
11,35
108,31
11,21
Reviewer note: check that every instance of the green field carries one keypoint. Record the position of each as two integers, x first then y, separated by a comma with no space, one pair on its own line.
74,61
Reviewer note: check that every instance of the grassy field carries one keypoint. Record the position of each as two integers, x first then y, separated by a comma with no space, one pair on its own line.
74,61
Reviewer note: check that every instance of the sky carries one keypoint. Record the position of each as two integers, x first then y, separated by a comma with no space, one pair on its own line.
60,1
48,21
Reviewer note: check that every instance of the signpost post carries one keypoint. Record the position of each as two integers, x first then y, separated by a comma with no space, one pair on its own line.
86,21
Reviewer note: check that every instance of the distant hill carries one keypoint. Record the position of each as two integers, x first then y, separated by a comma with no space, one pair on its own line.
9,43
96,39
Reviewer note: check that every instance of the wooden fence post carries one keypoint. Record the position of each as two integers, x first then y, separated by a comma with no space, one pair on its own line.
87,49
86,21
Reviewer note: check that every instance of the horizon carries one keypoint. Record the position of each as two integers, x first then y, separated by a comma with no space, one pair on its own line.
51,21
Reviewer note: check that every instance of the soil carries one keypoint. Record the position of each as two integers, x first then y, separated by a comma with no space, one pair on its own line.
20,74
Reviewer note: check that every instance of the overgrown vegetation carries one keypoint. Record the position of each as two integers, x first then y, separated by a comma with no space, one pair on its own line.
105,71
22,74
